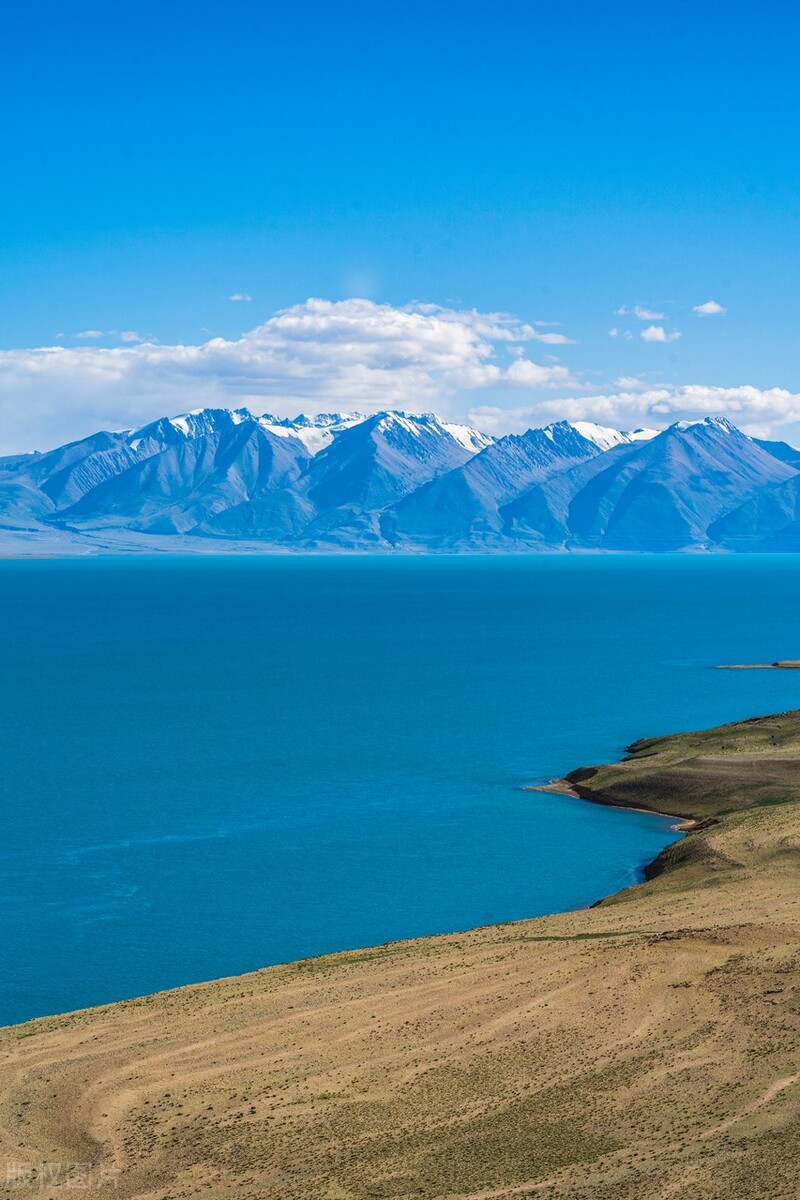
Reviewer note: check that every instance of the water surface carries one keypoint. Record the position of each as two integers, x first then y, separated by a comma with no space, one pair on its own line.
212,764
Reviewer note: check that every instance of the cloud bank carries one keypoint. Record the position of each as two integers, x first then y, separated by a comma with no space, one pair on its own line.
313,356
758,412
351,354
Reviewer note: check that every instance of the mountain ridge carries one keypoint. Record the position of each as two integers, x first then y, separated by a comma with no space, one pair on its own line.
400,481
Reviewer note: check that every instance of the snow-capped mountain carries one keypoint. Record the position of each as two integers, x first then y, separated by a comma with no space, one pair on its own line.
660,494
186,475
375,463
404,481
464,505
227,473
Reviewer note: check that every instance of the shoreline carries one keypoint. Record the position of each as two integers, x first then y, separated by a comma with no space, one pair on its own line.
565,787
489,1062
559,786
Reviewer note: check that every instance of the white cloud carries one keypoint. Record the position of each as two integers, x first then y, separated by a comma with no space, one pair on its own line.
759,412
552,339
621,333
524,373
644,314
130,335
709,309
241,297
87,334
657,333
313,356
647,314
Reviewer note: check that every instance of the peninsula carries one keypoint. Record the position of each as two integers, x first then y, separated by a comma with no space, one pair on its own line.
647,1046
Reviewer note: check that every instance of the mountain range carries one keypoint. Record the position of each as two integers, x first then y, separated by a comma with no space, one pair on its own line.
225,479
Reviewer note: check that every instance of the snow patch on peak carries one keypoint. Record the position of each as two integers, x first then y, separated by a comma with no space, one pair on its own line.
411,422
601,436
315,431
195,424
468,438
183,424
641,435
199,421
325,420
721,423
605,438
471,439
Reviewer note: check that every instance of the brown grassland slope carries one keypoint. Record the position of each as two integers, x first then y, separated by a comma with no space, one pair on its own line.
647,1047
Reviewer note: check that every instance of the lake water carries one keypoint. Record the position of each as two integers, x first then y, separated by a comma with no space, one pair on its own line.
212,764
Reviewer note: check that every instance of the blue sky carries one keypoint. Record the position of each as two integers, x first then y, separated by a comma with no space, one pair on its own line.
554,162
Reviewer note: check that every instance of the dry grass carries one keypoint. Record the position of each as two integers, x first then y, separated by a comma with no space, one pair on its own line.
646,1047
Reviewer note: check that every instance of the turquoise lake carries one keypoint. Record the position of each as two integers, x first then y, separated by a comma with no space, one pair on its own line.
212,764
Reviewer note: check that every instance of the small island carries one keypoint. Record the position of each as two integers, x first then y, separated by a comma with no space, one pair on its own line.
783,664
647,1046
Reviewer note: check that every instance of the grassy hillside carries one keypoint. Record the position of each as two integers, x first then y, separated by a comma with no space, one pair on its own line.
648,1047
